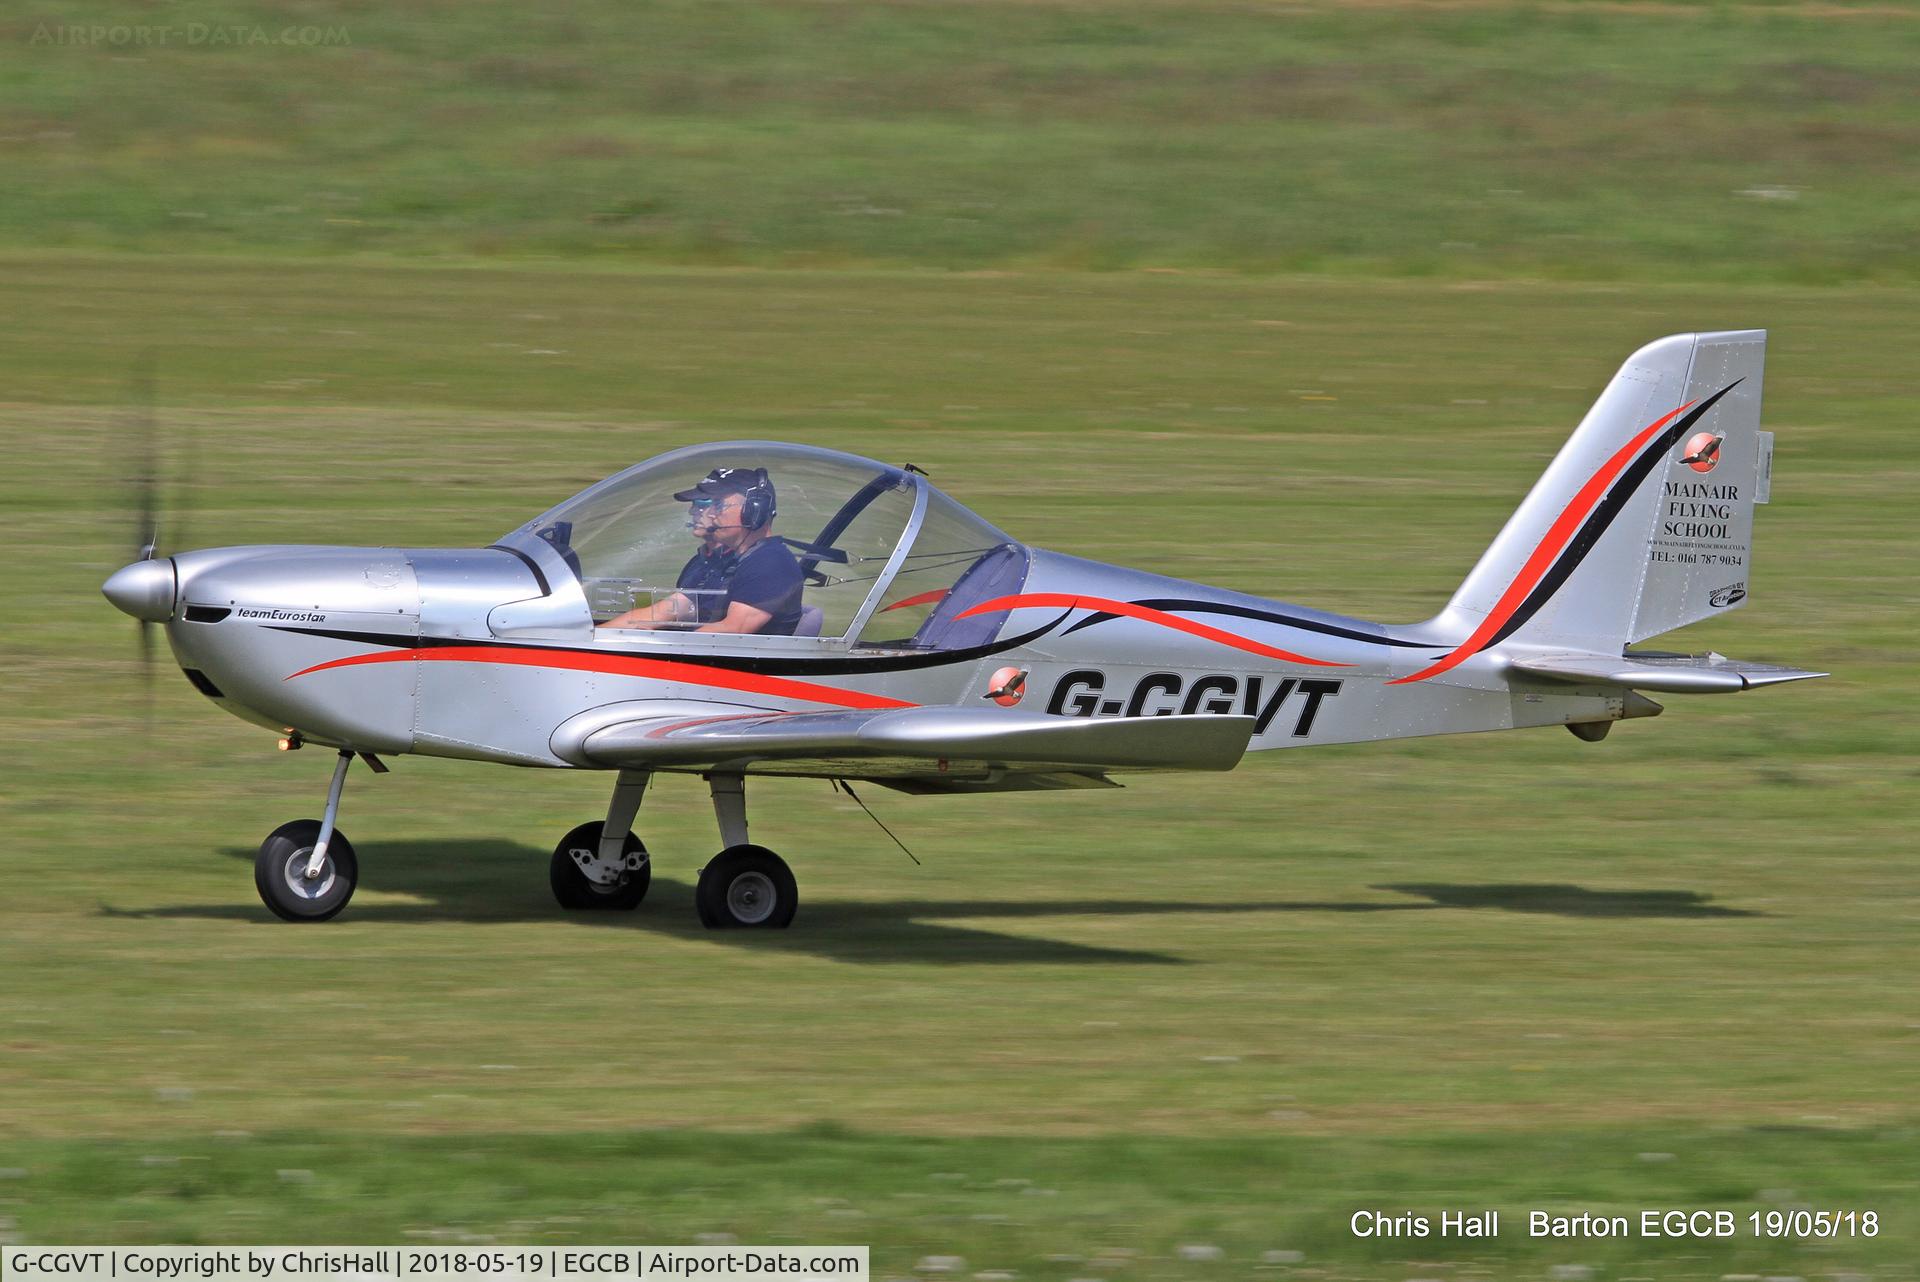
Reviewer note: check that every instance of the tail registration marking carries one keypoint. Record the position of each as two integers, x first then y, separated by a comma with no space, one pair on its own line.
1082,693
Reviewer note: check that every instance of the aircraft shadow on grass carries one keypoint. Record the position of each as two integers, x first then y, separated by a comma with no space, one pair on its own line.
1567,900
498,881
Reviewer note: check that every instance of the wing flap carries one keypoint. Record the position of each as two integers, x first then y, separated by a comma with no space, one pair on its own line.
896,736
1670,673
998,781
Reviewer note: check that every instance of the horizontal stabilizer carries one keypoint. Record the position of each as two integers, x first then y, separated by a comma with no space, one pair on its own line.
922,740
1655,670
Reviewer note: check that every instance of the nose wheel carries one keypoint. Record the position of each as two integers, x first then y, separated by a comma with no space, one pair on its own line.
306,870
291,887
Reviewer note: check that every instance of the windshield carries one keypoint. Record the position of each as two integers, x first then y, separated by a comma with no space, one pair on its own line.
690,524
820,543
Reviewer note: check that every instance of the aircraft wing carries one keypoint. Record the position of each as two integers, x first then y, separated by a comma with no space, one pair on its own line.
1652,670
942,745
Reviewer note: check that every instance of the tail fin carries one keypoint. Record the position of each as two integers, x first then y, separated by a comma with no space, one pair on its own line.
1644,520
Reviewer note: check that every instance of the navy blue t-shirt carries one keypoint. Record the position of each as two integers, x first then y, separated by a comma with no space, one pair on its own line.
766,578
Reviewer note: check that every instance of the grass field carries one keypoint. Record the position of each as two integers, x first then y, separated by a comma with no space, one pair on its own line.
1746,142
1515,970
1297,299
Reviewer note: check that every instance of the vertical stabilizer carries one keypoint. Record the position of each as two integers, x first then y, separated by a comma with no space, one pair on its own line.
1643,521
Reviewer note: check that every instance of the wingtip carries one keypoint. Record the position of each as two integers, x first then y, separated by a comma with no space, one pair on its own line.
1754,680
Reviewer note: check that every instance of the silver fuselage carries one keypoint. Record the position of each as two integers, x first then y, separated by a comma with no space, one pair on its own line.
1640,524
490,654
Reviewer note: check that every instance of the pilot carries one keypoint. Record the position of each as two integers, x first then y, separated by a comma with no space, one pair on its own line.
742,579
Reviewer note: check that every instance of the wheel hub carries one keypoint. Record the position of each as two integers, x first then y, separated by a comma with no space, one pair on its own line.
300,883
751,898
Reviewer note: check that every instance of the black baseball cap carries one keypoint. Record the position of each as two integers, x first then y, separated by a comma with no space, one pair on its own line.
726,480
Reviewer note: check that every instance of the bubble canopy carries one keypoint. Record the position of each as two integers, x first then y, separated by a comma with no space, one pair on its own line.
880,550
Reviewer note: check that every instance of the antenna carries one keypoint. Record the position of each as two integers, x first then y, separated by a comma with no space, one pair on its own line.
847,788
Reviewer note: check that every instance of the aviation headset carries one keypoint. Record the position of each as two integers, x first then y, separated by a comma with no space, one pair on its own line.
758,508
753,485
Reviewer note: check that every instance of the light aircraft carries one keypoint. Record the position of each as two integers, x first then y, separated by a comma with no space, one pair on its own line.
929,652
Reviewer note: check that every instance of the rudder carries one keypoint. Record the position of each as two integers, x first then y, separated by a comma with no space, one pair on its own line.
1701,544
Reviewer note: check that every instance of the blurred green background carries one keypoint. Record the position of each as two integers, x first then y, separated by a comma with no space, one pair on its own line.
411,272
1590,140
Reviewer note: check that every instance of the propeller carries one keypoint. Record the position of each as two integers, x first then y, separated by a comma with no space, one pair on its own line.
146,587
145,450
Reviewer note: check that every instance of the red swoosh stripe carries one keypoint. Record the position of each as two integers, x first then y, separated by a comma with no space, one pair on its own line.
626,665
925,598
1072,601
1555,541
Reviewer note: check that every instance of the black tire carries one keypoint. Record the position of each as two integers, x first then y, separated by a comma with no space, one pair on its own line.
279,873
746,887
575,893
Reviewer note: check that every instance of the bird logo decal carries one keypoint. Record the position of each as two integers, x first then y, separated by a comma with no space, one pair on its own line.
1006,686
1703,451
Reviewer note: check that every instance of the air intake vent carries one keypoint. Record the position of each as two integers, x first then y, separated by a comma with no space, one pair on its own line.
201,683
206,613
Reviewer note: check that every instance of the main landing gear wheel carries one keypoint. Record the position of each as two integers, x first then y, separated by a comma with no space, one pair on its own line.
280,872
576,860
746,887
